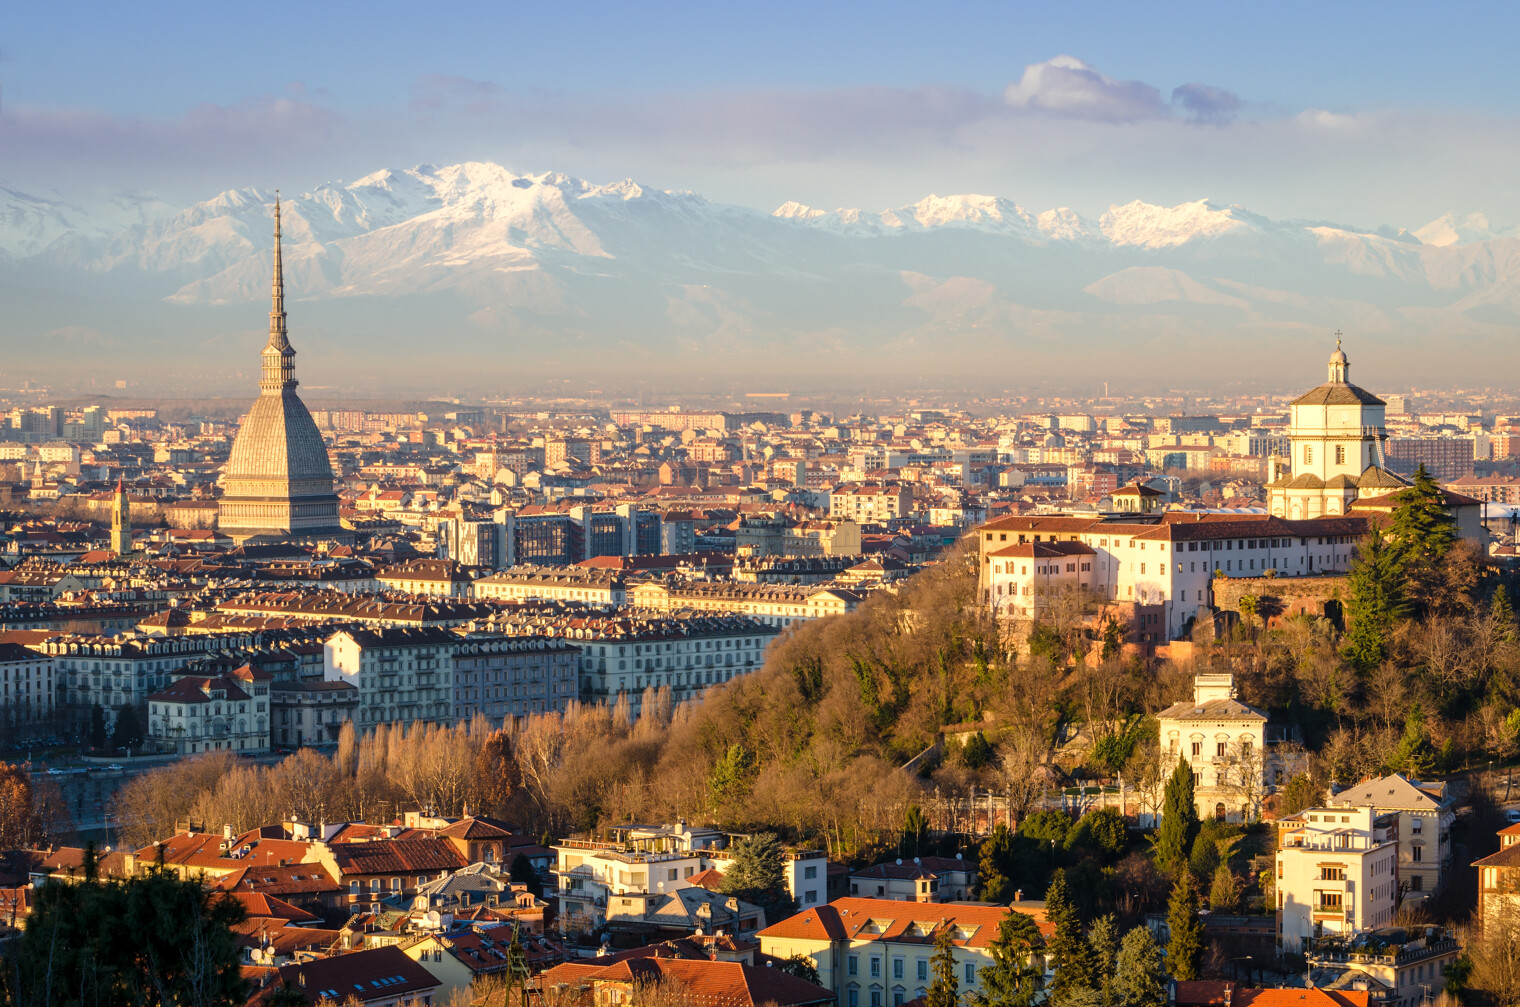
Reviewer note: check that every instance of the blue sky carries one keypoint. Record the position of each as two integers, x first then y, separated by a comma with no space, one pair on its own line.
1368,113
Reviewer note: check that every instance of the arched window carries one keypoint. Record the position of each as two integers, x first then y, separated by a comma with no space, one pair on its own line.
1219,811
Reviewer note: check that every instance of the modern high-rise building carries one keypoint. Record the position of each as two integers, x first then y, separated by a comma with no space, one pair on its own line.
278,483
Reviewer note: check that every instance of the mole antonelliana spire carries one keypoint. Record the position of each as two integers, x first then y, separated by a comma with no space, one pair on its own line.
278,482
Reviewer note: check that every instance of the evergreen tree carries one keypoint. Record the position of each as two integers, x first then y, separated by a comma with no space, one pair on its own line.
1179,820
1224,889
944,991
731,776
97,733
802,967
1502,613
127,731
1185,948
1113,643
757,874
915,833
977,752
523,872
1103,943
1074,967
1140,978
149,941
1017,973
1422,532
995,863
1377,602
1415,755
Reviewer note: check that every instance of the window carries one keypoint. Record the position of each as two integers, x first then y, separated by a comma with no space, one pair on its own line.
923,970
1416,883
1219,749
1340,454
1197,748
1417,852
810,896
1332,873
809,873
1417,825
876,998
852,965
854,998
970,972
1308,453
897,968
875,968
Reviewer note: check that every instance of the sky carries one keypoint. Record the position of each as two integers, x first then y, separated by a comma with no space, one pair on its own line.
1368,113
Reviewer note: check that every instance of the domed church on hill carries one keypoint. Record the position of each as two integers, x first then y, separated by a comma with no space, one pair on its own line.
278,483
1337,434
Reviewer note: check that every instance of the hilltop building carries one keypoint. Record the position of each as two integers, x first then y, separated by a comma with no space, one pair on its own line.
278,483
1336,435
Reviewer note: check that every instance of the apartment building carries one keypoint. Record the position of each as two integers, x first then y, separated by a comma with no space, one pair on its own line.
870,504
1499,881
511,677
775,605
26,684
877,952
1337,874
922,879
1425,812
224,713
403,674
593,586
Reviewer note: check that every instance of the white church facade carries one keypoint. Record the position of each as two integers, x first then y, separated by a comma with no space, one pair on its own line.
1336,434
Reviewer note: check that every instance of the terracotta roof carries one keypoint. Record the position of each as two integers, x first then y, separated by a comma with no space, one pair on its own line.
719,984
378,973
859,919
269,907
388,856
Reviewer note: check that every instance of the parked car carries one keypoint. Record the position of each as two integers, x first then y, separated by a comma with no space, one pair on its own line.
1512,816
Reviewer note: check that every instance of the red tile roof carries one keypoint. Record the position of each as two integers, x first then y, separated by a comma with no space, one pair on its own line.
397,856
378,973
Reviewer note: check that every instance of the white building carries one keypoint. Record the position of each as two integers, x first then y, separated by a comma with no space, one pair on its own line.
1170,560
1336,437
403,675
1224,741
653,860
1425,818
26,685
226,713
1337,874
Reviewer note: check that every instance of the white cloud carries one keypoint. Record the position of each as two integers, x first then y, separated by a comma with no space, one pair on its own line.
1066,86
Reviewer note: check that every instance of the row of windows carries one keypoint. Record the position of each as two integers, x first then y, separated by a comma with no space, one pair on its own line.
921,968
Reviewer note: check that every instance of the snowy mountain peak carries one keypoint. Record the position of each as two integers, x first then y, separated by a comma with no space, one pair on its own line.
1448,229
1152,226
792,210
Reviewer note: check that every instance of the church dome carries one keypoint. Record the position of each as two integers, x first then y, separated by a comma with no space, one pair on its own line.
278,482
278,444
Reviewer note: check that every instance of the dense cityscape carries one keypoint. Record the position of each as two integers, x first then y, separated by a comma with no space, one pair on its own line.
612,703
510,505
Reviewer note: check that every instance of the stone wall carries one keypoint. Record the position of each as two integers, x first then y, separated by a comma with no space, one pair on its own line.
1280,598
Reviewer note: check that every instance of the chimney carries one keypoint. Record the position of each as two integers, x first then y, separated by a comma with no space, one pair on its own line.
227,831
1018,895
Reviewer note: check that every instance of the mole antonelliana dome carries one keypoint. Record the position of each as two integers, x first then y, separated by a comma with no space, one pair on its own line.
278,483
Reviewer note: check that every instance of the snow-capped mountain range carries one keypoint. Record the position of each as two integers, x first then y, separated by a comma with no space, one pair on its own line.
508,260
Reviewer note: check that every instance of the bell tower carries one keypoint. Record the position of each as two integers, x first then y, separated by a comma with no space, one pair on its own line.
121,522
